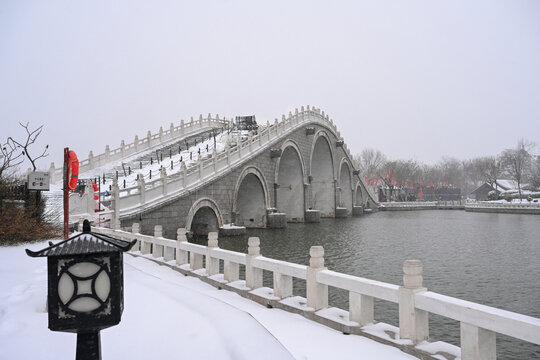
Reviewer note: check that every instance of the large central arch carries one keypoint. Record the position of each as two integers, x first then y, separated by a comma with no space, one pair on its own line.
250,199
203,217
345,185
322,176
290,182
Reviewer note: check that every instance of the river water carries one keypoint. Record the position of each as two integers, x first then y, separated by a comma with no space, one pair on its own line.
492,259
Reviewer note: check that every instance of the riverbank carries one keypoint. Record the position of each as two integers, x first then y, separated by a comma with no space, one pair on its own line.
481,206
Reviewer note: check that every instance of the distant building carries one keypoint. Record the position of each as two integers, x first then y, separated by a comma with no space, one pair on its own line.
481,193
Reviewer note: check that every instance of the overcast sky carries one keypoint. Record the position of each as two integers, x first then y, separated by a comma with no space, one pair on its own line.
415,79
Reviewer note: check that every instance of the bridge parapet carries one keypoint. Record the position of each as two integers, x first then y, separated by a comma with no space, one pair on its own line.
479,323
149,142
204,170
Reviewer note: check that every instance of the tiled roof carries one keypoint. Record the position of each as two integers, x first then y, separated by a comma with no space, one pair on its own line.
84,243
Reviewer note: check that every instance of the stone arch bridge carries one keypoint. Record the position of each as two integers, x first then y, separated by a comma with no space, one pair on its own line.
295,170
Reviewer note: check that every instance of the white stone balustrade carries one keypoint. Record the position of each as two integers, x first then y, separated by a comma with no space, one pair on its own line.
150,142
479,323
205,170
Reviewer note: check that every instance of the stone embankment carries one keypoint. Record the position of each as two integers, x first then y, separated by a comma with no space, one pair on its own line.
479,324
505,208
422,205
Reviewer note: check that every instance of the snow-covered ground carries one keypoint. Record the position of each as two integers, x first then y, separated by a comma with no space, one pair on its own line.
167,316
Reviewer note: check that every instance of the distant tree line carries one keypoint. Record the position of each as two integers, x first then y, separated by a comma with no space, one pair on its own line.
519,164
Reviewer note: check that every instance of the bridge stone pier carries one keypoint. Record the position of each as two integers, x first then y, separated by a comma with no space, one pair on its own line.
294,170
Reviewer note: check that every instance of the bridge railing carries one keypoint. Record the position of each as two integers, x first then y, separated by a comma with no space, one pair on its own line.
218,163
479,324
143,144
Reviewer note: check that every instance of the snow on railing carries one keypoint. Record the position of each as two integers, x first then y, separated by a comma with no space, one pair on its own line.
479,324
153,191
143,144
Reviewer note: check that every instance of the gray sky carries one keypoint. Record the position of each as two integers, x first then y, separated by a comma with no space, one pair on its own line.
415,79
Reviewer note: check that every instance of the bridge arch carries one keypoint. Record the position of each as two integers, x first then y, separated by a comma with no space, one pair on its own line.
345,185
358,196
322,175
203,217
250,198
290,180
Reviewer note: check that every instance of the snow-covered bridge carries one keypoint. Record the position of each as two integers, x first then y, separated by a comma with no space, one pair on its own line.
200,176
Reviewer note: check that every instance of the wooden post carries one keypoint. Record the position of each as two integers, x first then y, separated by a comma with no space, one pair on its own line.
66,194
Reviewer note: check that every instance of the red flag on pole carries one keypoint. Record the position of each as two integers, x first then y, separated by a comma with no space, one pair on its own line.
420,193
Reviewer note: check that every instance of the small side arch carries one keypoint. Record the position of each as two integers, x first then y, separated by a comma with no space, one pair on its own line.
322,175
318,134
284,146
345,184
289,180
204,216
358,196
251,198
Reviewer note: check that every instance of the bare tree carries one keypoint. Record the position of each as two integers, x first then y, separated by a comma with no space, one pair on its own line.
31,136
370,162
517,161
9,158
534,176
489,168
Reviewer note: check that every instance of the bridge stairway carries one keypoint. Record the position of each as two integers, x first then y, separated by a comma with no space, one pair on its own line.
152,160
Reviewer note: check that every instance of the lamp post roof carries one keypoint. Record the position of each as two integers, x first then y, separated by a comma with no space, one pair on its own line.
86,242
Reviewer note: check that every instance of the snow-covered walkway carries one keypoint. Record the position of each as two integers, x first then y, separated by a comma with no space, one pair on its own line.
168,316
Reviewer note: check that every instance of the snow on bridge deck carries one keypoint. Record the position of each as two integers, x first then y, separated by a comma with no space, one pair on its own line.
167,316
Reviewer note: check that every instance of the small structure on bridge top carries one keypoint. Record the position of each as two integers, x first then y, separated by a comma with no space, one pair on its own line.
85,286
246,123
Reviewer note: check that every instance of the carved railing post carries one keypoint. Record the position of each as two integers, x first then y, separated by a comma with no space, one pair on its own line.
254,276
182,127
142,188
157,250
136,143
163,178
212,263
317,294
115,195
90,160
413,323
181,255
135,230
183,170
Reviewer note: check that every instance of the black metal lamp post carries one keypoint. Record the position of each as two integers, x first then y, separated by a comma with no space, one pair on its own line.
85,287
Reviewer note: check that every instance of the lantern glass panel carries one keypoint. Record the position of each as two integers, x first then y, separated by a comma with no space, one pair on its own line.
103,286
84,286
84,304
